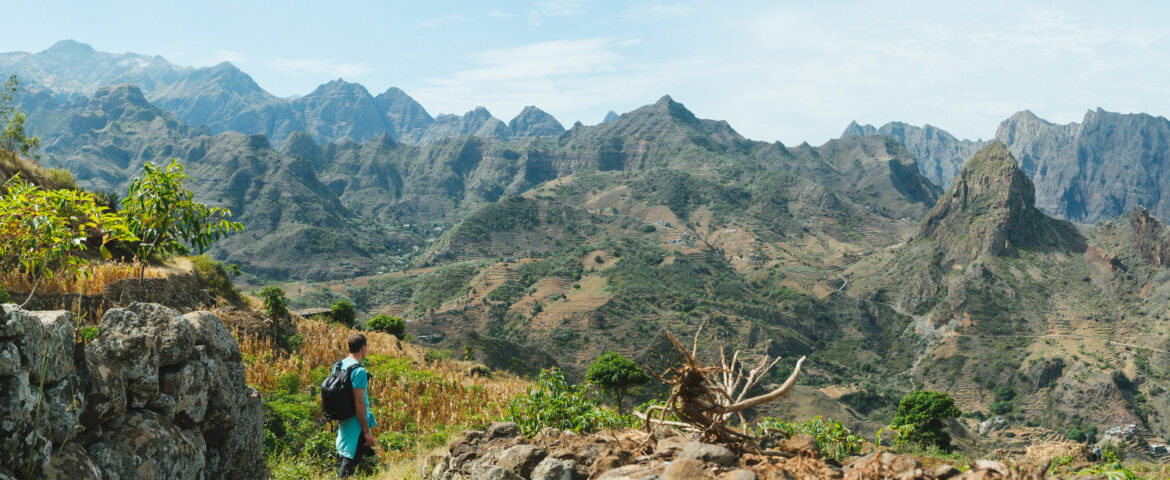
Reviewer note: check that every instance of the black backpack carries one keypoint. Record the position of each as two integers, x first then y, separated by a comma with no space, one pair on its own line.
337,393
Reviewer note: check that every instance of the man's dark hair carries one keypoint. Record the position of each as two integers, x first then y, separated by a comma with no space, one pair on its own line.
356,342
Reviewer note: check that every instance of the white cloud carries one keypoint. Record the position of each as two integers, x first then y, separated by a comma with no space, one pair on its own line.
555,8
317,66
659,10
443,20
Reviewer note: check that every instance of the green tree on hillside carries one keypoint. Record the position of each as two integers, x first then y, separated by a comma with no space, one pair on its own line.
275,303
616,375
928,413
165,216
387,324
12,136
343,312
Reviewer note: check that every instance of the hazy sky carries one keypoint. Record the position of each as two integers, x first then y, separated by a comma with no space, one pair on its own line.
789,71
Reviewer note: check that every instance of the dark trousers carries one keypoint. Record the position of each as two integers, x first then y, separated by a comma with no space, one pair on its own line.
361,455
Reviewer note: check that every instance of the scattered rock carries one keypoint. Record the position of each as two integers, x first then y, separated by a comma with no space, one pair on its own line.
522,459
553,469
503,430
740,474
805,445
705,452
686,469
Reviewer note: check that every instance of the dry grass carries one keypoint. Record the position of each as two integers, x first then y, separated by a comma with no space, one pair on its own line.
1044,452
407,392
100,275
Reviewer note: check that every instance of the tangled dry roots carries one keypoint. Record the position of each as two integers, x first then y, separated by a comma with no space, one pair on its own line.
705,397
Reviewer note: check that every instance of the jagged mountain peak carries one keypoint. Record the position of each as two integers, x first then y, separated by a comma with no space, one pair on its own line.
534,122
857,129
339,86
610,117
990,208
70,47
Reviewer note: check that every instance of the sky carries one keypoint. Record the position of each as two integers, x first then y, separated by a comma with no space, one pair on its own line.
792,71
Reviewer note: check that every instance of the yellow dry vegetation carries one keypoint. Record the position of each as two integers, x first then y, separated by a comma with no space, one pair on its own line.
418,394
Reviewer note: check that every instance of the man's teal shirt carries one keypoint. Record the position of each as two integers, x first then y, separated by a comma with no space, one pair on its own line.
348,435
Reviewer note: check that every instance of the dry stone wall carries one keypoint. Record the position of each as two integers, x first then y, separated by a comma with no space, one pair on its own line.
155,395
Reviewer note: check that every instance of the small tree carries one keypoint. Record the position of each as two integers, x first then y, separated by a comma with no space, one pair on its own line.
387,324
43,232
275,303
343,312
165,216
616,375
928,413
12,136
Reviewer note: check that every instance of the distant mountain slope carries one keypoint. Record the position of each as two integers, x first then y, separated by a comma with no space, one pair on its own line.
1086,172
1097,169
940,155
224,98
1008,299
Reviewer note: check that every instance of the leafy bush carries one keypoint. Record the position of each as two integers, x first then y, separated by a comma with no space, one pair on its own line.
343,312
44,230
218,278
553,402
166,218
289,383
836,441
275,303
928,412
89,334
616,375
387,324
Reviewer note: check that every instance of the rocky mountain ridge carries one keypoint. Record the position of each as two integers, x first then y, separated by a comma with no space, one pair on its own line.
1086,172
224,98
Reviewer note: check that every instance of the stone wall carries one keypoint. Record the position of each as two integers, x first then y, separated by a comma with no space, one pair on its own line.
155,395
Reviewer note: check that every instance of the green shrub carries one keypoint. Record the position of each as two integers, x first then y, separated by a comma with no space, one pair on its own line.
387,324
553,402
275,303
649,229
442,355
835,441
289,383
89,334
289,421
616,375
217,277
343,312
928,412
4,296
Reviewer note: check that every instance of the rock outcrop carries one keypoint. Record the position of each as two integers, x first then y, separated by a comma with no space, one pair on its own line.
939,154
155,395
988,209
500,453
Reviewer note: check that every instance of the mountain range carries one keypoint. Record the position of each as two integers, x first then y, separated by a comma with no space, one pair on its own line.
224,98
1086,172
896,258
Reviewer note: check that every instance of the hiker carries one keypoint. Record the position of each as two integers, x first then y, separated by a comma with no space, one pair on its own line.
1096,455
354,441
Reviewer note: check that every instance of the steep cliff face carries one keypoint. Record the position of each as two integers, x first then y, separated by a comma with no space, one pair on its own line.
988,209
155,395
939,154
1097,169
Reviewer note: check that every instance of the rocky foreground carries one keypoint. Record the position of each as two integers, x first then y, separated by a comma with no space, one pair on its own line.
155,395
500,453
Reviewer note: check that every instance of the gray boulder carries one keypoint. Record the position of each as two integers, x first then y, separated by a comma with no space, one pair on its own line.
144,445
